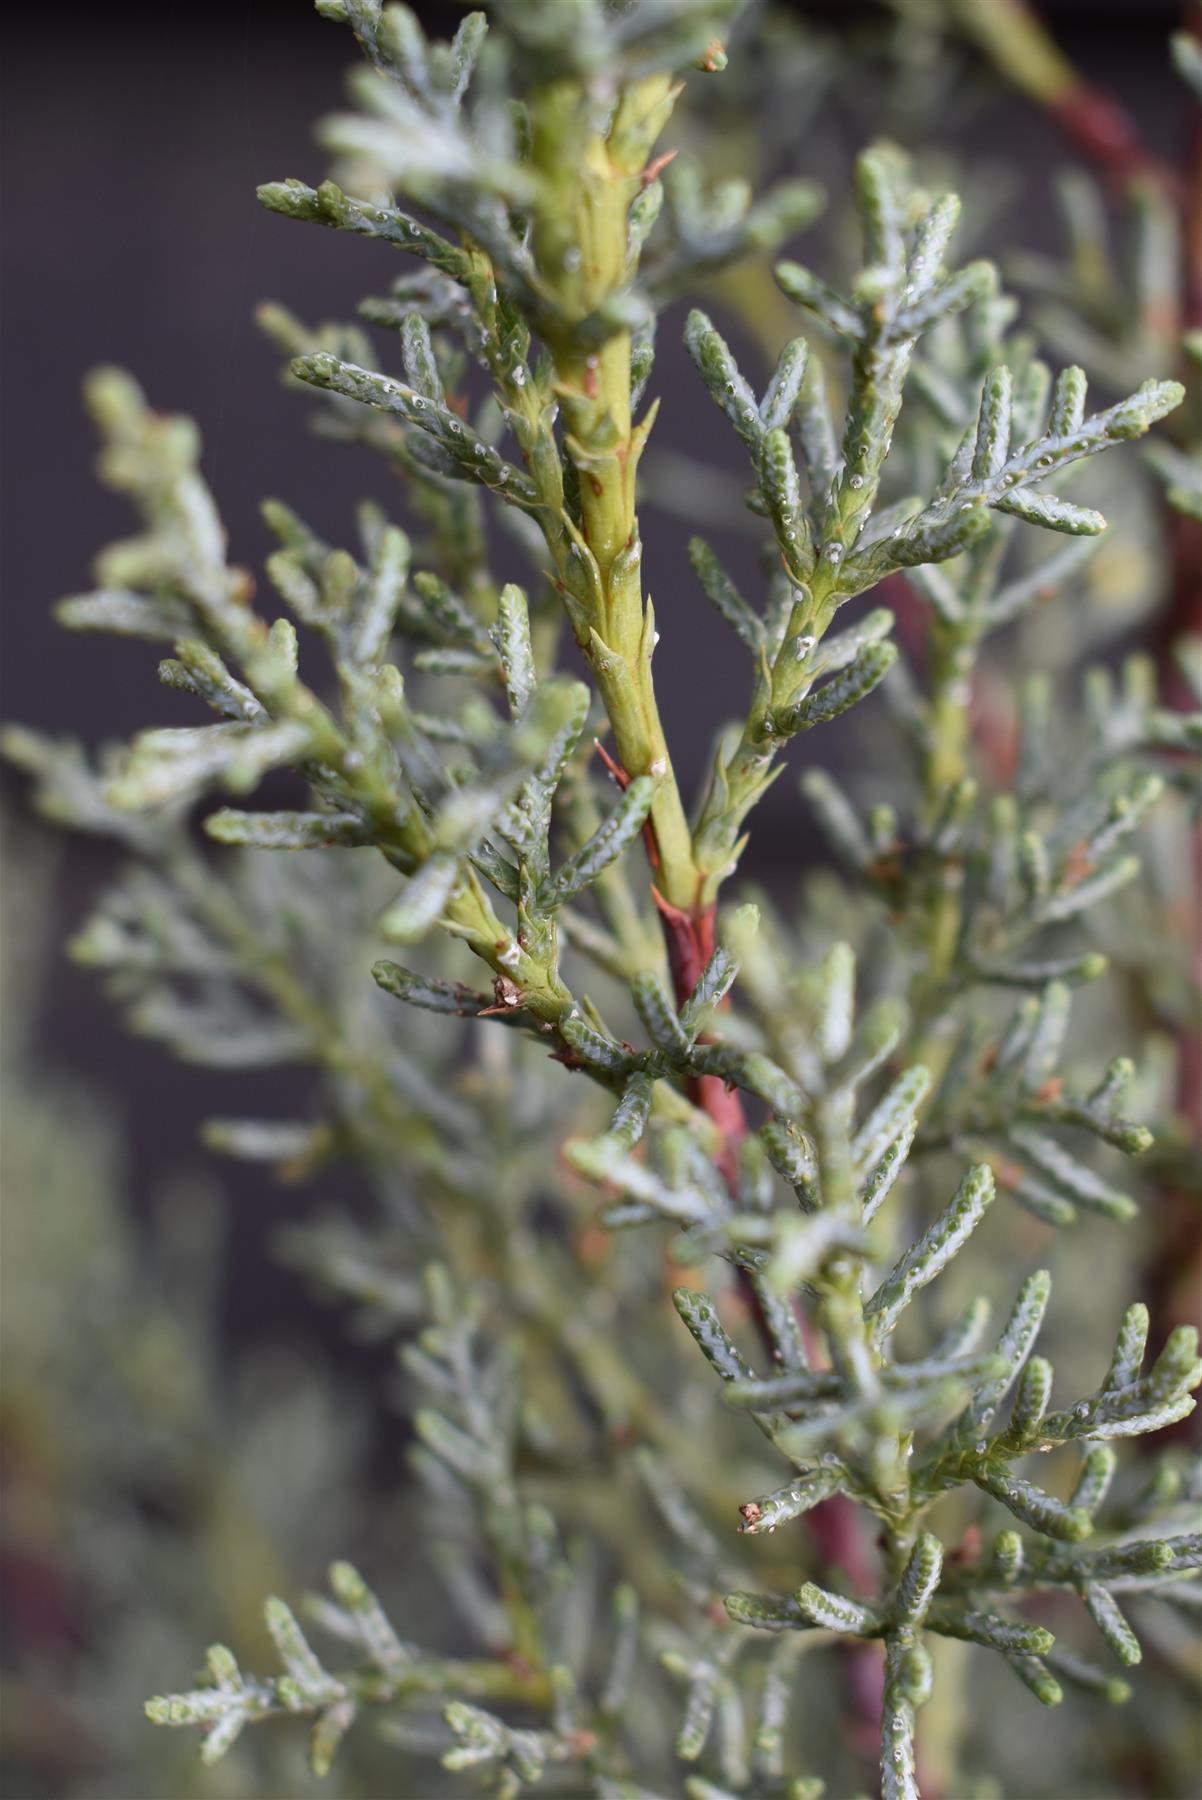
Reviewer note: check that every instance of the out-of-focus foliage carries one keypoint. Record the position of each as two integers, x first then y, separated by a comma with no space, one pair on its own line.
611,1122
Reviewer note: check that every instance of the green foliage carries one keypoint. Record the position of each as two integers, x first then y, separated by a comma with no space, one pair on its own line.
812,1123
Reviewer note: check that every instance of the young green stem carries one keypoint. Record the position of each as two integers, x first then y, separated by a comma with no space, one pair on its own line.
582,247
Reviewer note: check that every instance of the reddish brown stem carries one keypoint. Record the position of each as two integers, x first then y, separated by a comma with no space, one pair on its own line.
1105,133
1173,1277
1192,215
1015,39
690,941
835,1527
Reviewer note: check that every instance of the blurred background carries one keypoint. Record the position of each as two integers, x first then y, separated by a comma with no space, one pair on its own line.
134,137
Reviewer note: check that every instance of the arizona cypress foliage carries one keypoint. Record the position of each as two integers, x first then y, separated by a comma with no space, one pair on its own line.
647,1130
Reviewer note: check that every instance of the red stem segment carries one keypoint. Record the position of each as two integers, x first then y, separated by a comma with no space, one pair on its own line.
690,941
1106,134
836,1528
